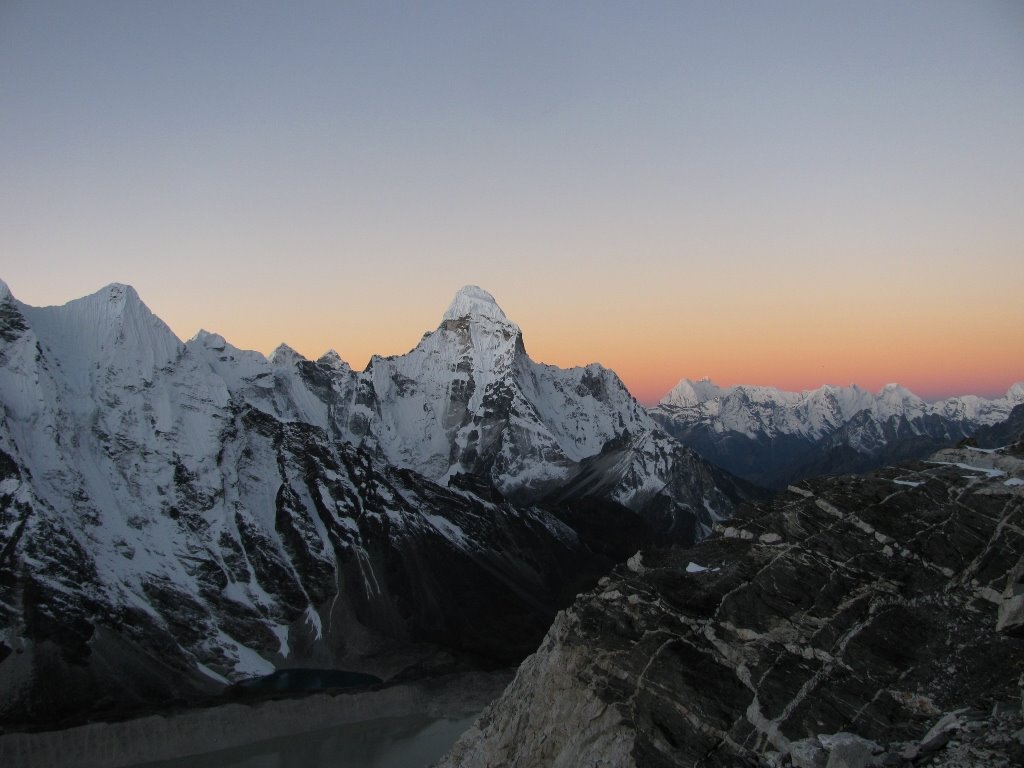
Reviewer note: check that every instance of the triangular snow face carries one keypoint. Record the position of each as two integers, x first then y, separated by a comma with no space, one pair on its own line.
474,302
468,399
106,336
283,356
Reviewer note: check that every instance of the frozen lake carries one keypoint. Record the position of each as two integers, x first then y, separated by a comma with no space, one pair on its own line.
413,741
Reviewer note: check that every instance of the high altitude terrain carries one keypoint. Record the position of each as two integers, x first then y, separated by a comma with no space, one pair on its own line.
773,437
176,516
872,620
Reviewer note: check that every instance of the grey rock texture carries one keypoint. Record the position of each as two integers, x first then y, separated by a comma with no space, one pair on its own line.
863,632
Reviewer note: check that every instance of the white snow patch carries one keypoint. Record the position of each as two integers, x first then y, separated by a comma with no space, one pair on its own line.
447,529
211,674
237,593
281,631
472,300
910,483
693,567
314,620
715,517
1014,481
248,662
259,595
984,470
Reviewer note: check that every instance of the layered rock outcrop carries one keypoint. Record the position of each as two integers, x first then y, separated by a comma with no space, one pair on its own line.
849,622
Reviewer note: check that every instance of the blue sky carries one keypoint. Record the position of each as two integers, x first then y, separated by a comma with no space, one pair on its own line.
637,183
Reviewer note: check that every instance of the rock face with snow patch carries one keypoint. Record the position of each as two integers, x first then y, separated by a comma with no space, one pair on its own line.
852,621
772,437
175,516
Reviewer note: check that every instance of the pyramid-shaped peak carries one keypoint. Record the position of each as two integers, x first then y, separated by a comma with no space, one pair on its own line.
331,359
116,303
896,390
688,393
474,301
283,355
120,291
208,339
116,296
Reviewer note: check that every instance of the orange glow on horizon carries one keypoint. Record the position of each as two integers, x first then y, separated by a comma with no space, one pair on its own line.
725,207
651,342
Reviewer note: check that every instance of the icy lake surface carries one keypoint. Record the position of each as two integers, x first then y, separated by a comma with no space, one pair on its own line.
414,741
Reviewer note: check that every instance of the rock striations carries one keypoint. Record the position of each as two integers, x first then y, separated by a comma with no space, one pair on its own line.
853,621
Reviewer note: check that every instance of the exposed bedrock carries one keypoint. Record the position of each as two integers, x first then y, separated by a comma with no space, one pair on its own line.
850,622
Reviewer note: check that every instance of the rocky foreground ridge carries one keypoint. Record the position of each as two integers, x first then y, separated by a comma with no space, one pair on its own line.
853,621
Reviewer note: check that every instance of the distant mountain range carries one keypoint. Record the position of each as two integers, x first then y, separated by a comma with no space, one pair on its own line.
177,516
772,437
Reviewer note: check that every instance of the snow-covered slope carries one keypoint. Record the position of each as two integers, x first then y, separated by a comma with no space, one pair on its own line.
176,515
773,436
469,400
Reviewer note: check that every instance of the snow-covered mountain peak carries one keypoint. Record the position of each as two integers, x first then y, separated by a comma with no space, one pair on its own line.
768,435
107,331
896,392
112,301
331,359
687,393
120,293
5,292
895,400
284,356
474,302
208,339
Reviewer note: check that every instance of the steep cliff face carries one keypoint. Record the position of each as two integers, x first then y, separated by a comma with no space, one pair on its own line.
870,620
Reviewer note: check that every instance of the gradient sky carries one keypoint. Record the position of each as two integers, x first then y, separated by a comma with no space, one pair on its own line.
772,193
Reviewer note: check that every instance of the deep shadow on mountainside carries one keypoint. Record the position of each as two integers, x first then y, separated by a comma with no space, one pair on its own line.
1008,433
778,460
176,517
873,620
